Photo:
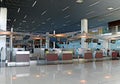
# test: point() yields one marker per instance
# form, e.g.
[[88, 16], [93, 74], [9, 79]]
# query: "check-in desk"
[[115, 55], [99, 54], [22, 58], [88, 55], [67, 56], [51, 58]]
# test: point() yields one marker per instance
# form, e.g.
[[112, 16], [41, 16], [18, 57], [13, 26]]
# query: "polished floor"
[[104, 72]]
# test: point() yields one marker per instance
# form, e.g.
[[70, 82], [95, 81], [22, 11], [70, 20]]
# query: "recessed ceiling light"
[[44, 12], [94, 4], [64, 9], [14, 20], [67, 16], [79, 1], [68, 21], [25, 16], [18, 10], [110, 8], [91, 12], [34, 3], [48, 19]]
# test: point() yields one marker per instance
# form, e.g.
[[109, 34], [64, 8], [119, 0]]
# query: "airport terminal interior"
[[59, 41]]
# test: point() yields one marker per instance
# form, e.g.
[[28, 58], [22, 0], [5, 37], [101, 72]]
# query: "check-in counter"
[[67, 57], [22, 58], [114, 54], [99, 54], [51, 56], [88, 55]]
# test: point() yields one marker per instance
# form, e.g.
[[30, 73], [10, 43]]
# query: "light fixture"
[[110, 8], [43, 12], [5, 33], [34, 3], [64, 9], [84, 35], [79, 1], [95, 3], [18, 10], [37, 38], [60, 35]]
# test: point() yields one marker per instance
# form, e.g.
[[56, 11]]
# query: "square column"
[[84, 28], [47, 40], [3, 23]]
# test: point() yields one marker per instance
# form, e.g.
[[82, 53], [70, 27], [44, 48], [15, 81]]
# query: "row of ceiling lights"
[[78, 1]]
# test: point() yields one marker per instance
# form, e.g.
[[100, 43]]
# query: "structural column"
[[84, 28], [11, 46], [3, 23], [47, 40], [54, 41], [106, 46]]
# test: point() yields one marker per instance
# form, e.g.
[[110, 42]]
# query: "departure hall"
[[59, 41]]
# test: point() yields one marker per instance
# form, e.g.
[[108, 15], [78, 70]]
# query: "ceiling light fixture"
[[110, 8], [44, 12], [25, 16], [67, 16], [18, 10], [34, 4], [14, 20], [94, 4], [64, 9], [48, 19], [79, 1], [91, 12], [8, 19], [68, 21]]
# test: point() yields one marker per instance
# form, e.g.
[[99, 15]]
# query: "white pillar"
[[47, 40], [11, 46], [106, 46], [54, 41], [84, 28], [116, 29], [3, 23]]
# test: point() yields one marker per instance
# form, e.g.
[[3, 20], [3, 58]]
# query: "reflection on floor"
[[104, 72]]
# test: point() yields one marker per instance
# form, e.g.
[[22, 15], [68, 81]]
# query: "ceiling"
[[41, 16]]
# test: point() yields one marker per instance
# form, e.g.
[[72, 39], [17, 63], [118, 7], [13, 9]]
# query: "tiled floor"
[[104, 72]]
